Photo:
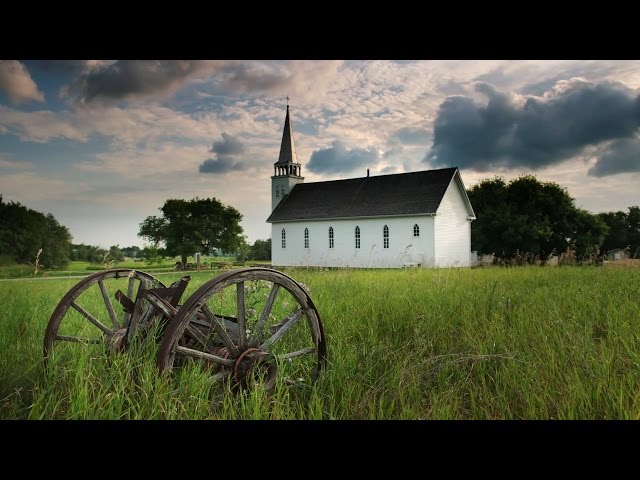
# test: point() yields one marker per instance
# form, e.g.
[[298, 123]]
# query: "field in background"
[[625, 263], [85, 268], [495, 343]]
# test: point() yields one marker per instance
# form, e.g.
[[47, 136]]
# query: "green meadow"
[[492, 343]]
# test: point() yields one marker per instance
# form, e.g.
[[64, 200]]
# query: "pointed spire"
[[287, 147]]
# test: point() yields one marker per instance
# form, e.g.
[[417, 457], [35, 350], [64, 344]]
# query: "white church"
[[420, 219]]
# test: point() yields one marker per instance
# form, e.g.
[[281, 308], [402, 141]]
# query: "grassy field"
[[77, 268], [493, 343]]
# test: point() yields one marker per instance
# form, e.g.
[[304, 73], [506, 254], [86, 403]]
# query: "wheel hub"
[[254, 365], [117, 341]]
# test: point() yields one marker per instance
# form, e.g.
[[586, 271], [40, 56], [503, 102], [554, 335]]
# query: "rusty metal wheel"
[[248, 326], [88, 315]]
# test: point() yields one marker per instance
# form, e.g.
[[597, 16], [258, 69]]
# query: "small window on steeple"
[[277, 192]]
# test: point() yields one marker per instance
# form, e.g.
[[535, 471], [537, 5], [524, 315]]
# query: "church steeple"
[[286, 171], [287, 163]]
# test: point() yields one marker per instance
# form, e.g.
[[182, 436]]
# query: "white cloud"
[[17, 83]]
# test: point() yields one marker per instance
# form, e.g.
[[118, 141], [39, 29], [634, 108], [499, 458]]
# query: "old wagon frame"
[[244, 326]]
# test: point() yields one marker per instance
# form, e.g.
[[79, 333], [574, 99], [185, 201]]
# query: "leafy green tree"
[[529, 216], [190, 226], [152, 254], [115, 253], [23, 232], [261, 250], [242, 249], [131, 252], [624, 230]]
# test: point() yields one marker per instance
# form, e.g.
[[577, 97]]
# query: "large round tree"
[[190, 226], [532, 217]]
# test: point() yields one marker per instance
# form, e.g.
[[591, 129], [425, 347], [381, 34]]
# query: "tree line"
[[525, 219], [529, 220]]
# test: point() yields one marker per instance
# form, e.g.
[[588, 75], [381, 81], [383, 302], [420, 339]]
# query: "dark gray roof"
[[400, 194], [287, 148]]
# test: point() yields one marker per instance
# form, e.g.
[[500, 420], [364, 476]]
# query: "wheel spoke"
[[299, 353], [265, 313], [288, 322], [218, 377], [107, 302], [220, 330], [67, 338], [189, 352], [198, 335], [127, 316], [91, 318], [242, 333]]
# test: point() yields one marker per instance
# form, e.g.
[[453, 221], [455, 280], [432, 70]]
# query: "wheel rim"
[[283, 334], [89, 316]]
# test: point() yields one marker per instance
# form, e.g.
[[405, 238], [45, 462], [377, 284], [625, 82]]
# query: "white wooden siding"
[[452, 229], [404, 249]]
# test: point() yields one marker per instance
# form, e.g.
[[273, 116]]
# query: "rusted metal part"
[[250, 364]]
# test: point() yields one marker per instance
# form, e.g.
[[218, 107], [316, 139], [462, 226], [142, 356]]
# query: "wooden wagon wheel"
[[88, 314], [246, 326]]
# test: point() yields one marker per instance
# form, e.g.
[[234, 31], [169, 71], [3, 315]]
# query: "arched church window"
[[385, 236], [306, 238], [416, 230], [357, 237], [284, 239], [330, 237]]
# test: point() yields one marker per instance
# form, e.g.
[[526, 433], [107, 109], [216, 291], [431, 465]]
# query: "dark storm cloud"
[[228, 146], [535, 133], [339, 159], [622, 156], [226, 156], [220, 164], [133, 78], [412, 136]]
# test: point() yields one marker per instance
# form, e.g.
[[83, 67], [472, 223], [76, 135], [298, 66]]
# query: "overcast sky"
[[102, 144]]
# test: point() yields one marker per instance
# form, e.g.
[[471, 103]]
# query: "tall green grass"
[[496, 343]]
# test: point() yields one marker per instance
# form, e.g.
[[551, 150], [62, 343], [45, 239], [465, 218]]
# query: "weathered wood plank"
[[91, 318], [68, 338], [190, 352], [127, 315], [299, 353], [109, 305], [242, 332], [264, 315], [289, 322], [221, 331]]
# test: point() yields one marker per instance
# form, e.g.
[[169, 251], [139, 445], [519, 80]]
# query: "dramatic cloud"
[[226, 156], [228, 146], [513, 131], [221, 164], [622, 156], [412, 136], [129, 79], [340, 159], [16, 82]]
